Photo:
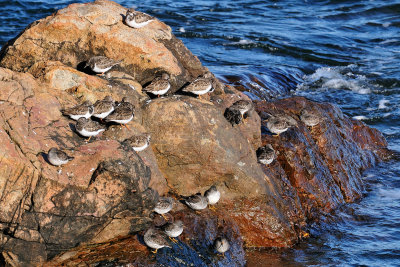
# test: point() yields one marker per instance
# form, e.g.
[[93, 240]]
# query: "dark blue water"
[[345, 52]]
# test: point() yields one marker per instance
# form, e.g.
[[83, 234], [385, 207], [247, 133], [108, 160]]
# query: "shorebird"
[[278, 124], [213, 195], [84, 110], [155, 239], [159, 86], [173, 230], [221, 244], [242, 106], [103, 108], [266, 154], [196, 202], [58, 157], [201, 85], [88, 128], [309, 118], [164, 205], [139, 142], [137, 19], [101, 64], [122, 114]]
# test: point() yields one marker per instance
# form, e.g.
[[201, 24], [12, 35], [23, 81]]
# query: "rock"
[[76, 33]]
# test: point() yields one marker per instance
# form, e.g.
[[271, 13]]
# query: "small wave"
[[336, 78]]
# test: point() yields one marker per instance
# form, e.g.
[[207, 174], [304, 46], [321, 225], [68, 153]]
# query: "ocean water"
[[344, 52]]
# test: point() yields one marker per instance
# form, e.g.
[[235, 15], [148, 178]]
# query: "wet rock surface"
[[95, 209]]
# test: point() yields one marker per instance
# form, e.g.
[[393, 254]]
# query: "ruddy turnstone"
[[309, 117], [122, 114], [125, 103], [265, 154], [155, 239], [102, 108], [84, 110], [101, 64], [201, 85], [212, 195], [196, 202], [159, 86], [139, 142], [137, 19], [88, 128], [242, 106], [221, 244], [58, 157], [173, 230], [164, 205]]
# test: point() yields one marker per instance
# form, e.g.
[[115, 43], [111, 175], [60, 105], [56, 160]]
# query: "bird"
[[84, 110], [173, 230], [213, 195], [101, 64], [88, 128], [159, 86], [221, 245], [122, 114], [58, 157], [201, 85], [139, 142], [137, 19], [243, 106], [309, 118], [196, 202], [125, 103], [164, 205], [265, 154], [155, 239], [102, 108], [278, 124]]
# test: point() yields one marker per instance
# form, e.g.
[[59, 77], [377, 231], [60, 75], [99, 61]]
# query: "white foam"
[[181, 29], [360, 117], [382, 103], [336, 78]]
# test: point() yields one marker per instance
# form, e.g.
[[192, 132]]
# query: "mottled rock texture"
[[96, 208]]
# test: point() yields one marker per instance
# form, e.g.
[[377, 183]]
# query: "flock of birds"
[[107, 111]]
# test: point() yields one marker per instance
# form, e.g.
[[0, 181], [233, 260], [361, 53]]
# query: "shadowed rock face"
[[96, 208]]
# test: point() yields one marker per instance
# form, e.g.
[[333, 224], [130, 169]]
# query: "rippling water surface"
[[345, 52]]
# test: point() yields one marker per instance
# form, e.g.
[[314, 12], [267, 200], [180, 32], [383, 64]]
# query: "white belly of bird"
[[198, 206], [153, 244], [57, 161], [140, 148], [266, 161], [161, 92], [202, 92], [86, 133], [174, 233], [162, 211], [104, 114], [214, 198], [100, 70], [134, 24], [87, 115], [123, 121]]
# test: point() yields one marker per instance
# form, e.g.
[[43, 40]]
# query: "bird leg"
[[165, 218], [213, 208], [126, 126], [173, 239], [154, 251], [87, 141]]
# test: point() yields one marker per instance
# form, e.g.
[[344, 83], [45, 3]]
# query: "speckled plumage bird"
[[84, 110], [122, 114], [103, 108], [196, 202], [201, 85], [137, 19], [139, 142], [221, 245], [159, 86], [213, 195], [101, 64], [58, 157], [243, 106], [88, 128], [309, 117], [164, 205], [265, 154], [155, 239], [278, 124], [173, 230]]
